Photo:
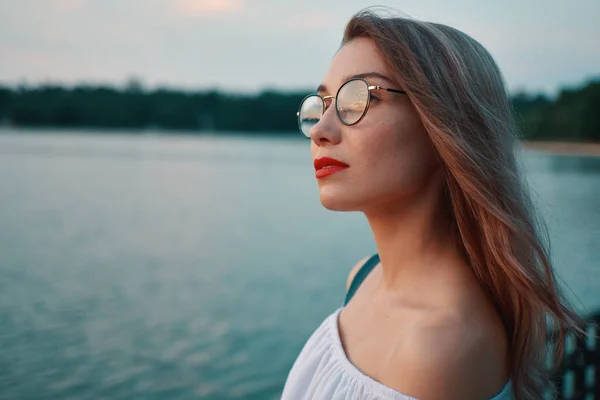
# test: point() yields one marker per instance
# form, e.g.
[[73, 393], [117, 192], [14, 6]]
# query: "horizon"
[[140, 86]]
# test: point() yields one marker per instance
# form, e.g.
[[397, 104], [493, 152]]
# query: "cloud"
[[313, 21], [69, 5], [200, 8]]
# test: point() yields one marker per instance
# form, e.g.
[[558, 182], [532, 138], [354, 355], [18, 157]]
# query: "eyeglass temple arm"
[[396, 91], [387, 89]]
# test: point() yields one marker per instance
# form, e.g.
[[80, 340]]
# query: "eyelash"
[[373, 97]]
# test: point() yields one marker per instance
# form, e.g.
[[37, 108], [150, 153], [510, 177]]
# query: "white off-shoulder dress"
[[323, 371]]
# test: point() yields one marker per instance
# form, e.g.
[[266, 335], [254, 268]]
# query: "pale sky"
[[249, 45]]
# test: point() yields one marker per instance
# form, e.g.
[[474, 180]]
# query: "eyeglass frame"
[[337, 111]]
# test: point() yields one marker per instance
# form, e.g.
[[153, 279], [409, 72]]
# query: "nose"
[[328, 129]]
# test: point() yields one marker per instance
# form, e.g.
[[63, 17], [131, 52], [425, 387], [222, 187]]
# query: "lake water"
[[173, 266]]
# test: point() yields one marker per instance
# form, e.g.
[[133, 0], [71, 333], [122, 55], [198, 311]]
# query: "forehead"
[[356, 57]]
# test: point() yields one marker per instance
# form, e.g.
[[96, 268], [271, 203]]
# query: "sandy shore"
[[566, 148]]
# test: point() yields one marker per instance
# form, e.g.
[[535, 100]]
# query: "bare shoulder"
[[451, 358], [354, 270]]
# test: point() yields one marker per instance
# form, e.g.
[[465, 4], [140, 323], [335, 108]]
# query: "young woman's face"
[[389, 153]]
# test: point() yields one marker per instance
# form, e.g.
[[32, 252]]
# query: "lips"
[[324, 162], [325, 166]]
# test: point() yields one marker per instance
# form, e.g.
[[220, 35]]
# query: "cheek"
[[398, 157]]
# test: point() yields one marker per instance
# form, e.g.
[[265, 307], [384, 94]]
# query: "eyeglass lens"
[[351, 103]]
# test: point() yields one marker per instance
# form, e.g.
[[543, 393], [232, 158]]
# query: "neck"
[[413, 238]]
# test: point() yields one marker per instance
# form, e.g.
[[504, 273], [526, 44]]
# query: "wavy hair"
[[460, 95]]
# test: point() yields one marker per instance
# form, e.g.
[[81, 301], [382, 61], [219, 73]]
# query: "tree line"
[[573, 115]]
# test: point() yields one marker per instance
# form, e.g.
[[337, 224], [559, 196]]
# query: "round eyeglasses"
[[351, 104]]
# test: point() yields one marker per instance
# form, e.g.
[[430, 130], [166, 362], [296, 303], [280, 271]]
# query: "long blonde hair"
[[459, 93]]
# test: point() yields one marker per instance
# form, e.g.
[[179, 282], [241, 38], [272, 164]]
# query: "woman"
[[412, 126]]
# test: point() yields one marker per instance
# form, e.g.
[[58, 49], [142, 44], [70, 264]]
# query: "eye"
[[373, 97]]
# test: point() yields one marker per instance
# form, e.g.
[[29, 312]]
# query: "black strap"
[[361, 275]]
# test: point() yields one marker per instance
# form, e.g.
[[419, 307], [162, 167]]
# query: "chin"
[[338, 202]]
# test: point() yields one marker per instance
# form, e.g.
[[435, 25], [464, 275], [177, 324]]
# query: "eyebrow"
[[323, 88]]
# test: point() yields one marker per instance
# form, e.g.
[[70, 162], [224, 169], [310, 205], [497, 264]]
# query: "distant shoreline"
[[564, 148], [588, 149]]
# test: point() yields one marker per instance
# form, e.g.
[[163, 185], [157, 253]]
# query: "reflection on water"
[[195, 267]]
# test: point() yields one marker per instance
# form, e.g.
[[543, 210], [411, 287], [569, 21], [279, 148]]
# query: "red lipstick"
[[326, 166]]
